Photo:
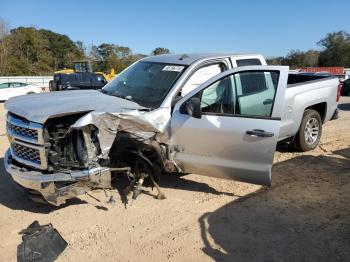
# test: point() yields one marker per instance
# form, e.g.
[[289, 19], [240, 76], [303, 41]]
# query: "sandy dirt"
[[304, 216]]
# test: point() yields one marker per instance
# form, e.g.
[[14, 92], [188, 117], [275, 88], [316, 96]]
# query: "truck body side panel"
[[303, 95]]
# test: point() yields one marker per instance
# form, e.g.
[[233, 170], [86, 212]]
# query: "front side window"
[[200, 76], [249, 93], [146, 83], [217, 98]]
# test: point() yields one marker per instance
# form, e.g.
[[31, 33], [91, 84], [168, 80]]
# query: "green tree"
[[63, 50], [160, 51], [296, 59], [28, 52], [336, 49], [33, 52], [110, 56]]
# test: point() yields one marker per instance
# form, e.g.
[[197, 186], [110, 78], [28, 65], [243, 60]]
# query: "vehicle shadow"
[[344, 107], [177, 181], [173, 181], [304, 216], [286, 147], [13, 197]]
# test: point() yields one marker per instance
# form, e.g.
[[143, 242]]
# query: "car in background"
[[11, 89], [345, 90], [76, 81]]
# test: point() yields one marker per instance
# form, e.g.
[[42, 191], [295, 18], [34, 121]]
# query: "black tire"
[[306, 138]]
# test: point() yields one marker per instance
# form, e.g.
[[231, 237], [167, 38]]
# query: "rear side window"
[[68, 78], [83, 78], [248, 62], [255, 92], [18, 84], [4, 85]]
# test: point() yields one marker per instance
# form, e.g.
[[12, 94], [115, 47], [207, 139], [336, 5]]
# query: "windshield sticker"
[[173, 68]]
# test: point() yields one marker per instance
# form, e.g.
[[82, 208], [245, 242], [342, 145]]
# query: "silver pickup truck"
[[211, 114]]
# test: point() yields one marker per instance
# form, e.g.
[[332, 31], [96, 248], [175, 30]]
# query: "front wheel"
[[310, 131]]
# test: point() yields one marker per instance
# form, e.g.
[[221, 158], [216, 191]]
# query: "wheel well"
[[321, 108]]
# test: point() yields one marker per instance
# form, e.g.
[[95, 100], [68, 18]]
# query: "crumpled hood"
[[40, 107]]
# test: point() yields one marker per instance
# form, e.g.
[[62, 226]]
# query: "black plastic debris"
[[40, 243], [111, 201]]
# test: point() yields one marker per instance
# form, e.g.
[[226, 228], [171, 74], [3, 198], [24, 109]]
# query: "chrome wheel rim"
[[312, 131]]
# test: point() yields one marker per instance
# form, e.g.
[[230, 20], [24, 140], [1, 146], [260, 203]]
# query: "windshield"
[[146, 83]]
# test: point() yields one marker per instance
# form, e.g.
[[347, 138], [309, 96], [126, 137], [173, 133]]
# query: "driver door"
[[236, 134]]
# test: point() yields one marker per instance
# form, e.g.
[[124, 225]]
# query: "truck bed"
[[307, 91], [297, 79]]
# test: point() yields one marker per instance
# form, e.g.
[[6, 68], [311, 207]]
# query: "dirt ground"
[[304, 216]]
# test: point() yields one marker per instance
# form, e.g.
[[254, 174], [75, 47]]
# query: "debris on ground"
[[111, 201], [41, 243]]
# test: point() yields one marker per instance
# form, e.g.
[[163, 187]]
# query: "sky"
[[269, 27]]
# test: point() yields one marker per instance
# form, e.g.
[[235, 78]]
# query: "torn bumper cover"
[[79, 181], [91, 137]]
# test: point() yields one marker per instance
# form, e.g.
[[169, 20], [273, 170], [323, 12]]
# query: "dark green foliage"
[[108, 56], [296, 59], [29, 51], [335, 52], [160, 51], [63, 49], [336, 49]]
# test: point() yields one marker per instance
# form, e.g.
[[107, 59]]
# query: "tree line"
[[335, 51], [31, 51]]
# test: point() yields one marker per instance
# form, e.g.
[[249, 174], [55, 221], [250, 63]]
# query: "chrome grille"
[[27, 142], [23, 131], [26, 153]]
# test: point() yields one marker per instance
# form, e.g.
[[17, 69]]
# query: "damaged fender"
[[142, 124]]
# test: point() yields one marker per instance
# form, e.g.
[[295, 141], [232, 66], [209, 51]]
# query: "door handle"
[[267, 102], [259, 133]]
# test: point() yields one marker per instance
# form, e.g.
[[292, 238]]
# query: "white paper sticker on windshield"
[[173, 68]]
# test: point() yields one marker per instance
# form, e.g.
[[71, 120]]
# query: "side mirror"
[[192, 107]]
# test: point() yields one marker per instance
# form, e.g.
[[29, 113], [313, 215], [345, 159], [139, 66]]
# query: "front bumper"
[[79, 181]]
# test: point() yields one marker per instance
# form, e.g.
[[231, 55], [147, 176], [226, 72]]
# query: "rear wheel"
[[310, 131]]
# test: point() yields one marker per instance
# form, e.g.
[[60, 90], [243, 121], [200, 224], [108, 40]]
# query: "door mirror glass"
[[192, 107]]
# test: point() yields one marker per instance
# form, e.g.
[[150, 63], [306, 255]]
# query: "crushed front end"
[[72, 154], [47, 159]]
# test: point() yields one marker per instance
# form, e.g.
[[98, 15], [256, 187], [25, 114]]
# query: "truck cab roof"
[[188, 59]]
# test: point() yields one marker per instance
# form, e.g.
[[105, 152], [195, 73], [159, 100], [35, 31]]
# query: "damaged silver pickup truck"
[[209, 114]]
